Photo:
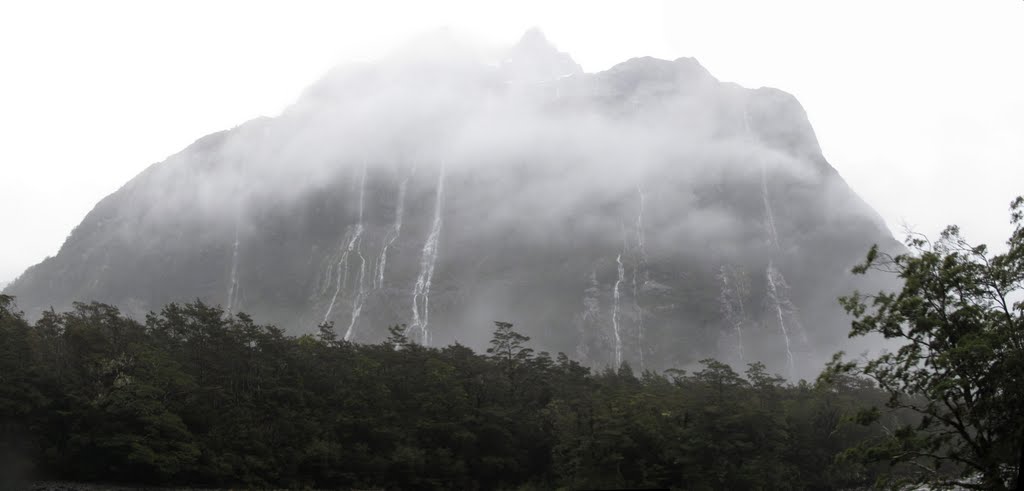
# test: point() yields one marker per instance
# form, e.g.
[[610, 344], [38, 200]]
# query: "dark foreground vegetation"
[[194, 397]]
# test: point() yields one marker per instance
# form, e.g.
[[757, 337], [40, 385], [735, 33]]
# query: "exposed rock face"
[[647, 214]]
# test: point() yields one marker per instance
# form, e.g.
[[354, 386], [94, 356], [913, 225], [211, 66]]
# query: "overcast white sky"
[[918, 103]]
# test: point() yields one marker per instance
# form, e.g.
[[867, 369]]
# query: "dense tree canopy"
[[193, 396]]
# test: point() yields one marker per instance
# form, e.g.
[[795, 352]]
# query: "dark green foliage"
[[959, 366], [198, 398]]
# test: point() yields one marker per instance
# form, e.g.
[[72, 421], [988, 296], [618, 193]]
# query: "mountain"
[[647, 214]]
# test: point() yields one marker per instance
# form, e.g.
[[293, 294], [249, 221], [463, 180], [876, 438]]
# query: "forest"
[[193, 396]]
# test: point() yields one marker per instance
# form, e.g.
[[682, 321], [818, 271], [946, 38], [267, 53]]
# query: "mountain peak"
[[537, 200], [534, 38], [535, 59]]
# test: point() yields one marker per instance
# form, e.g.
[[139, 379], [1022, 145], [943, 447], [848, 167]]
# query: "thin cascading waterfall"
[[392, 235], [775, 294], [615, 312], [342, 267], [233, 283], [773, 234], [332, 263], [783, 307], [641, 262], [777, 287], [357, 303], [353, 242], [428, 259]]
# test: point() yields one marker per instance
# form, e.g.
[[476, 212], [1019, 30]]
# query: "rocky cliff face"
[[647, 214]]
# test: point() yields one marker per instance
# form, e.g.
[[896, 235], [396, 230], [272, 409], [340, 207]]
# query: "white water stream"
[[428, 260]]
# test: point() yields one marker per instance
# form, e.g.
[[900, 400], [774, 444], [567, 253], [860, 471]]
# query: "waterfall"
[[775, 284], [353, 242], [421, 290], [392, 234], [357, 304], [778, 296], [615, 312], [641, 262], [777, 287], [233, 283]]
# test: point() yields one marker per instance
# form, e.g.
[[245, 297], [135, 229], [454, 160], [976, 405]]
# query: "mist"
[[477, 259], [483, 119], [596, 211]]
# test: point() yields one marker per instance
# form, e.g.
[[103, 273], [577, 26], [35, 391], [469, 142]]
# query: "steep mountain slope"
[[647, 214]]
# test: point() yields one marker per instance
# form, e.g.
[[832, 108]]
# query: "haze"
[[925, 127]]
